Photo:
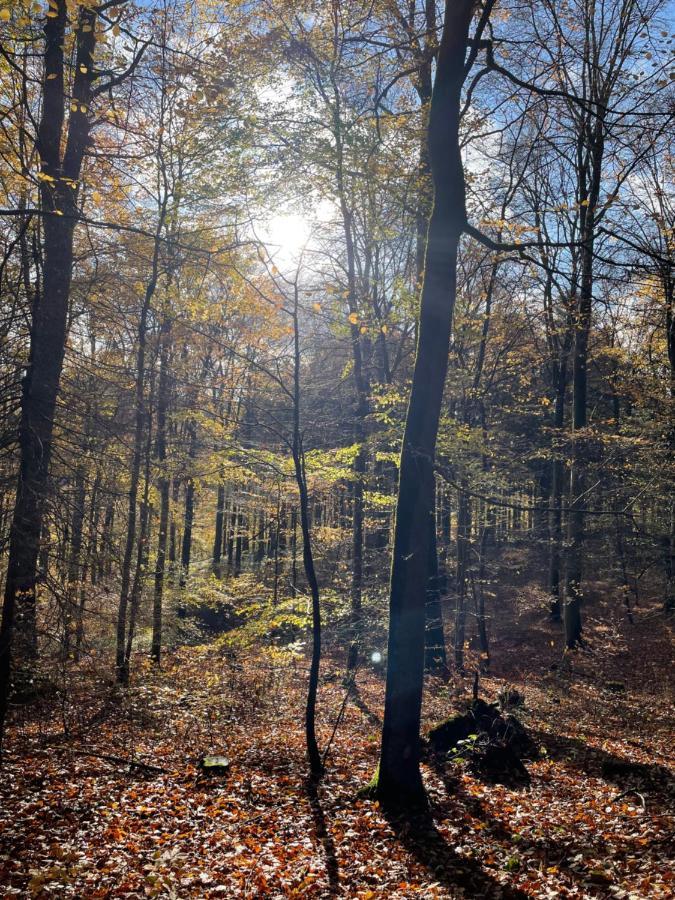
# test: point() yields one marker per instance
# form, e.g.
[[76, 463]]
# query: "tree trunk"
[[121, 666], [313, 755], [218, 537], [163, 394], [435, 658], [89, 563], [143, 540], [75, 562], [58, 194], [557, 479], [189, 515], [463, 547], [399, 779]]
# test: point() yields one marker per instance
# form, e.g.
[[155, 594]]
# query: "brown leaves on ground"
[[79, 825]]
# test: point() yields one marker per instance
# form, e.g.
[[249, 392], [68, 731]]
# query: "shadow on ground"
[[422, 839]]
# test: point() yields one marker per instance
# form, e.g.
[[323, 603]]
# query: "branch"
[[114, 226], [120, 760], [118, 79], [501, 247]]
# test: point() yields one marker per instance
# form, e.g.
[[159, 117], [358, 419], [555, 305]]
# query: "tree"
[[398, 778], [62, 148]]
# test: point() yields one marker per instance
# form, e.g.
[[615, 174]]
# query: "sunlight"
[[286, 235]]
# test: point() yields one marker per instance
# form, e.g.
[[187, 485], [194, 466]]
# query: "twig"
[[348, 693], [120, 760]]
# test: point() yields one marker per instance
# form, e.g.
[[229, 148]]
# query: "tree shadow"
[[324, 836], [619, 770], [553, 847], [457, 797], [422, 839], [361, 705]]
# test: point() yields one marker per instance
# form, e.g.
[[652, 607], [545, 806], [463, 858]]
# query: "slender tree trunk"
[[463, 548], [143, 541], [121, 666], [189, 514], [89, 563], [669, 543], [238, 540], [294, 551], [590, 180], [313, 755], [557, 479], [487, 538], [399, 779], [173, 539], [435, 658], [218, 537], [163, 394], [105, 552], [75, 561], [277, 545]]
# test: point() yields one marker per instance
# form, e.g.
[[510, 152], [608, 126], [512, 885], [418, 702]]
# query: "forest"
[[337, 449]]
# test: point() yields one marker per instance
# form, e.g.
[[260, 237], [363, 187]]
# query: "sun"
[[286, 236]]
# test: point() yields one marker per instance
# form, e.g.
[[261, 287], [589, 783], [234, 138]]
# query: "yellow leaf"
[[354, 318], [73, 107], [52, 76], [5, 15], [316, 306], [384, 329], [96, 197]]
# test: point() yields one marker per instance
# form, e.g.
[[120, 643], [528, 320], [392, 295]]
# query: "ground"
[[77, 822]]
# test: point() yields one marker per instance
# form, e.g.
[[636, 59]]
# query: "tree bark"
[[435, 657], [399, 779], [163, 394], [59, 182], [313, 755]]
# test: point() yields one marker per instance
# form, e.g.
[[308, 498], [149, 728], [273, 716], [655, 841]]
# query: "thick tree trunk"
[[399, 779], [58, 195]]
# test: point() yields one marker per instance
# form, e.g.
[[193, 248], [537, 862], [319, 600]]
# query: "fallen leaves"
[[77, 825]]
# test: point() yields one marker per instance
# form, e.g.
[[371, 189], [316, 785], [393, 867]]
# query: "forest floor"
[[76, 821]]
